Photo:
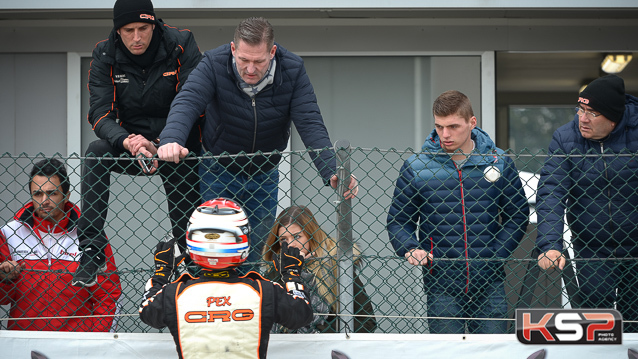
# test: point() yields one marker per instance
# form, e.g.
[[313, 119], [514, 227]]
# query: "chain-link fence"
[[384, 291]]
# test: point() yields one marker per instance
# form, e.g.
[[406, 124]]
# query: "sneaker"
[[92, 263]]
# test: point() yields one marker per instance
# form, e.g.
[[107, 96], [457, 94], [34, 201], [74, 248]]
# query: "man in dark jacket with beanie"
[[252, 90], [134, 76], [591, 176]]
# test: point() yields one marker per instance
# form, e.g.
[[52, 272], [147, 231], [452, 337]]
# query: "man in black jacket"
[[134, 76]]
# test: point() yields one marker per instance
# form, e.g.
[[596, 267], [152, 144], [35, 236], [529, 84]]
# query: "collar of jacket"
[[483, 145], [27, 216]]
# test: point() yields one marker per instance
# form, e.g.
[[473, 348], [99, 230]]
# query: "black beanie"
[[128, 11], [607, 96]]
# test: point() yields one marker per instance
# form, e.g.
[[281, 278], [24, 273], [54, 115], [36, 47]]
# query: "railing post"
[[344, 241]]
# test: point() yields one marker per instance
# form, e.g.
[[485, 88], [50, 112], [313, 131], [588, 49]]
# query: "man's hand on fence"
[[418, 257], [172, 152], [136, 142], [10, 270], [142, 148], [148, 164], [353, 187], [551, 259]]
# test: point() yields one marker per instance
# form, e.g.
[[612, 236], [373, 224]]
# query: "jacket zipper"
[[254, 133], [602, 156], [46, 241], [431, 252], [467, 263]]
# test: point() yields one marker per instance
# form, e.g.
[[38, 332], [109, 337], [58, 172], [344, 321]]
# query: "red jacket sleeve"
[[105, 295]]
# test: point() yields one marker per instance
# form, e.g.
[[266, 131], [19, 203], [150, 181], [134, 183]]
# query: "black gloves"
[[166, 260], [289, 263]]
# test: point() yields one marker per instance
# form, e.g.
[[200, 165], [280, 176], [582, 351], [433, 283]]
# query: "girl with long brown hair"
[[298, 227]]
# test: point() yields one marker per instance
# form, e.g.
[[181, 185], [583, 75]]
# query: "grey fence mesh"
[[394, 291]]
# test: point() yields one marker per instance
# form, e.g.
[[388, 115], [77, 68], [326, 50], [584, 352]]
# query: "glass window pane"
[[531, 129]]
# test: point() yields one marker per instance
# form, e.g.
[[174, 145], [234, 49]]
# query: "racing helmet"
[[217, 234]]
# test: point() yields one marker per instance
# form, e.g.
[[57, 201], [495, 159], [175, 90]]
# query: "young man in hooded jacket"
[[460, 201]]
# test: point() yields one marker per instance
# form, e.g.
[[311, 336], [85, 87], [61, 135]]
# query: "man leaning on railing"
[[251, 90], [592, 173]]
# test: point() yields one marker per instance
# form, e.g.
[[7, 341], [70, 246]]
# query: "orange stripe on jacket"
[[112, 102], [261, 314], [173, 27], [179, 68]]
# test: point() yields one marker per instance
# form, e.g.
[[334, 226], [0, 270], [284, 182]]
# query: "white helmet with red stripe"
[[217, 235]]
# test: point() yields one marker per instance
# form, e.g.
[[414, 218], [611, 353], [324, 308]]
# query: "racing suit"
[[222, 314]]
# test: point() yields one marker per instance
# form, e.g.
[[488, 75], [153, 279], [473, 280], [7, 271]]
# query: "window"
[[530, 132]]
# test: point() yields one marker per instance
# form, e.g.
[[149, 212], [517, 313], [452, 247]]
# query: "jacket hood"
[[483, 145], [630, 118]]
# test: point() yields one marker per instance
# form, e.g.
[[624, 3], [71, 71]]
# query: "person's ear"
[[473, 121]]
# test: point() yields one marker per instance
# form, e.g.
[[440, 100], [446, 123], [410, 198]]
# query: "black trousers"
[[181, 183], [604, 283]]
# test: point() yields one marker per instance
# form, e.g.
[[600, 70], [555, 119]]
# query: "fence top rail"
[[408, 151]]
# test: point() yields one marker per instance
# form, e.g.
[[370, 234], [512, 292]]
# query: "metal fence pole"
[[344, 240]]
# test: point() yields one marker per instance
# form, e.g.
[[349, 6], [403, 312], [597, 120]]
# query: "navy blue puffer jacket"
[[468, 214], [600, 192], [236, 122]]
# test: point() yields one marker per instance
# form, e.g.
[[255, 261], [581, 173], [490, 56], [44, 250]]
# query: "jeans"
[[180, 183], [257, 194], [489, 302]]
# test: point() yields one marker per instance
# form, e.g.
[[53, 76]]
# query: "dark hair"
[[50, 167], [255, 31], [451, 103]]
